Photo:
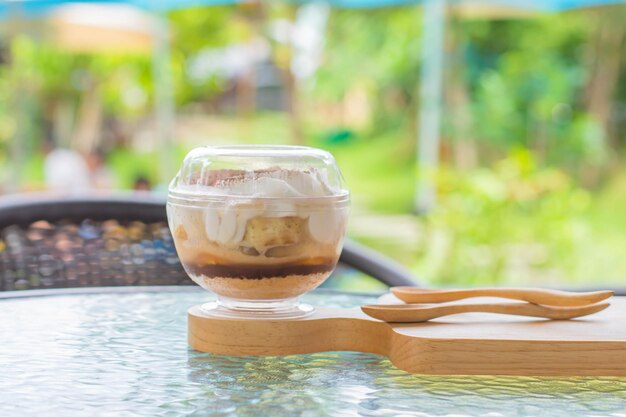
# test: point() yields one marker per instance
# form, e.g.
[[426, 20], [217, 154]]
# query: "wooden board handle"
[[488, 346]]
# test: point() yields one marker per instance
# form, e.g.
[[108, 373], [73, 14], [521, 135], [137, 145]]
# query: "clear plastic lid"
[[216, 173]]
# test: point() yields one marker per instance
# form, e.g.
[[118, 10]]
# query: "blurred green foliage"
[[513, 222], [505, 223], [534, 130], [530, 93]]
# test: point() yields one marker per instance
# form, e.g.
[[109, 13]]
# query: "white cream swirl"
[[226, 222]]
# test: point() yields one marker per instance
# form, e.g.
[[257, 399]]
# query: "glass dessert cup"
[[259, 226]]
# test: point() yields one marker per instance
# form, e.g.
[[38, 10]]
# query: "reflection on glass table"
[[125, 352]]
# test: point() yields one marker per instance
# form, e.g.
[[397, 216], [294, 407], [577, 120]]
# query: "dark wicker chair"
[[49, 242]]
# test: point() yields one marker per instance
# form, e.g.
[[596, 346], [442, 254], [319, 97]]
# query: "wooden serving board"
[[464, 344]]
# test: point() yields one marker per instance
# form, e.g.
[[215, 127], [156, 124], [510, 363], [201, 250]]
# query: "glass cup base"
[[257, 310]]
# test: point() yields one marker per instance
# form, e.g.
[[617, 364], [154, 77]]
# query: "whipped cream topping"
[[269, 183], [225, 222]]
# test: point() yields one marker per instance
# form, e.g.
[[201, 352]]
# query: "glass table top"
[[126, 354]]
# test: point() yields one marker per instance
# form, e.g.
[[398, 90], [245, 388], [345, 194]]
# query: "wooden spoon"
[[532, 295], [416, 313]]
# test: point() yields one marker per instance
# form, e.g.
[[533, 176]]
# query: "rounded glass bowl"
[[258, 225]]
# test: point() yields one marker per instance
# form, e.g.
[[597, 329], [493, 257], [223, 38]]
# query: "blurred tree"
[[527, 79], [377, 51], [604, 56], [553, 84], [550, 83], [74, 97], [283, 54], [199, 30], [457, 97]]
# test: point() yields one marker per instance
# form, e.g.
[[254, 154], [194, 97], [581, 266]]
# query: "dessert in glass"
[[258, 225]]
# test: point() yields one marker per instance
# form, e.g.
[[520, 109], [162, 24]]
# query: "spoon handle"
[[531, 295], [416, 314]]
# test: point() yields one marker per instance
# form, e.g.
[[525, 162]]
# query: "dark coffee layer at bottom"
[[256, 271]]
